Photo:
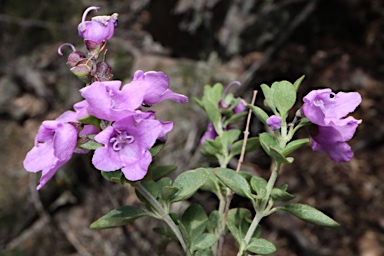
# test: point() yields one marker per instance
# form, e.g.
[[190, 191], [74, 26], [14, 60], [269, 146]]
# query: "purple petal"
[[107, 102], [64, 141], [137, 170], [323, 106], [34, 162], [154, 85]]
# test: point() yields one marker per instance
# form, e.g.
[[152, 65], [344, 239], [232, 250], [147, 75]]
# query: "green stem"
[[163, 214], [262, 210]]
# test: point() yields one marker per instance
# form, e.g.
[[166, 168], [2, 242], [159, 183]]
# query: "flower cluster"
[[327, 110], [121, 129]]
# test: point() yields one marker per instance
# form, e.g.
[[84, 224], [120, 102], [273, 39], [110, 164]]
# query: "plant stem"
[[162, 214], [262, 210]]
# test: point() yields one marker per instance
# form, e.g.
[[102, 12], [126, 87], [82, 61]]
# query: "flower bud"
[[99, 29], [75, 57], [103, 71], [83, 71], [274, 122]]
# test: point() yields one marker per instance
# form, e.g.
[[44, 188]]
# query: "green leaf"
[[165, 231], [212, 147], [212, 183], [230, 136], [203, 241], [252, 145], [167, 192], [194, 220], [159, 172], [205, 252], [199, 102], [238, 217], [261, 246], [213, 221], [259, 113], [115, 176], [268, 95], [159, 145], [267, 140], [234, 118], [91, 120], [90, 145], [188, 183], [213, 113], [233, 180], [280, 195], [279, 157], [284, 96], [119, 217], [309, 214], [297, 83], [259, 185], [294, 145]]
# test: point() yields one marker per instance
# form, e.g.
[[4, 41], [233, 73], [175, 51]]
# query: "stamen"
[[120, 140], [88, 10], [66, 44]]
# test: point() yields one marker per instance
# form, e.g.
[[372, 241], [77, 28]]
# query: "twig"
[[230, 193], [246, 133]]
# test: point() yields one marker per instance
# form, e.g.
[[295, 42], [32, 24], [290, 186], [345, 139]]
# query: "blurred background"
[[337, 44]]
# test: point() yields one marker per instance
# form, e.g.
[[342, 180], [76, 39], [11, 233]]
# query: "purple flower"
[[323, 106], [332, 139], [106, 100], [274, 122], [327, 110], [154, 86], [55, 143], [99, 29], [126, 146], [210, 134]]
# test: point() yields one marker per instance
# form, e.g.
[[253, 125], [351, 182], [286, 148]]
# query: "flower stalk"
[[164, 215]]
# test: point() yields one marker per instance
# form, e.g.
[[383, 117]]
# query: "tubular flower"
[[55, 143], [155, 87], [99, 29], [126, 146], [327, 110]]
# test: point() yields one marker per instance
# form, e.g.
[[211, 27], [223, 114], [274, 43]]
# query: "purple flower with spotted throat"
[[99, 29], [126, 146], [327, 110]]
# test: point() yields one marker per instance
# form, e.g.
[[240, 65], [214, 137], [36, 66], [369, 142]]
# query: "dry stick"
[[246, 133], [230, 193]]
